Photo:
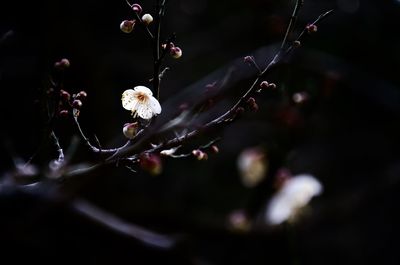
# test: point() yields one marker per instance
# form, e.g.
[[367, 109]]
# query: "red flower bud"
[[64, 113], [64, 95], [81, 95], [77, 104], [151, 163], [137, 8], [62, 64], [311, 28]]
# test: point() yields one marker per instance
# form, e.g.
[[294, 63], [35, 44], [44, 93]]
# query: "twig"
[[292, 22], [60, 158]]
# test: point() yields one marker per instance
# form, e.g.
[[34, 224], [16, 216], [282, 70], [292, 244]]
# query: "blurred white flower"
[[253, 166], [141, 102], [295, 193]]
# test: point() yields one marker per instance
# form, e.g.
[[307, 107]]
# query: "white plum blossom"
[[295, 193], [140, 102]]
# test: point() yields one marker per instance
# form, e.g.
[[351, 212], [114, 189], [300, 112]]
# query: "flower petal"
[[143, 89], [144, 111], [128, 99], [154, 105]]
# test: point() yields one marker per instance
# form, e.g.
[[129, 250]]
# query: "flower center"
[[141, 97]]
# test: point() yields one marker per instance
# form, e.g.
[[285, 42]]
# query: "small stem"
[[58, 146], [156, 51], [292, 22]]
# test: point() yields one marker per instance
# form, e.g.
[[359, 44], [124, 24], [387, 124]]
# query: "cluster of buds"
[[127, 26], [266, 85], [74, 101], [174, 51]]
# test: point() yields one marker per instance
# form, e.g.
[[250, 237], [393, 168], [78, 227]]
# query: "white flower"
[[141, 102], [294, 195]]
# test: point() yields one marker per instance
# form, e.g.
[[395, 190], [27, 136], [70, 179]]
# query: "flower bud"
[[176, 52], [248, 59], [281, 176], [151, 163], [264, 84], [272, 86], [311, 28], [252, 104], [147, 19], [81, 95], [300, 97], [130, 130], [214, 149], [296, 43], [169, 45], [200, 155], [126, 26], [137, 8], [239, 110], [239, 221], [64, 95], [77, 104], [62, 64], [64, 113]]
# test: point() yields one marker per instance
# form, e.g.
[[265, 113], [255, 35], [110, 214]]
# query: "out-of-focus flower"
[[239, 221], [151, 163], [140, 102], [253, 166], [295, 193], [300, 97]]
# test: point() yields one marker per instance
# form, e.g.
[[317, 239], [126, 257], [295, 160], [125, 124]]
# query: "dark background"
[[346, 135]]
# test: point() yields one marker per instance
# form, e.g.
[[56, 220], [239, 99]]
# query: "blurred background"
[[345, 133]]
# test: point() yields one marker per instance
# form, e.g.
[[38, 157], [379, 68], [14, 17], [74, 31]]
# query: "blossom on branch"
[[141, 102]]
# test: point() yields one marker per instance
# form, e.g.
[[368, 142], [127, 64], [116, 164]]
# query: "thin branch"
[[60, 158], [156, 51], [303, 32], [292, 22]]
